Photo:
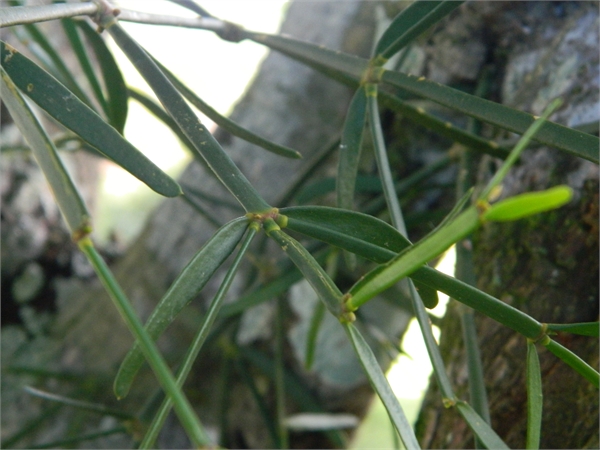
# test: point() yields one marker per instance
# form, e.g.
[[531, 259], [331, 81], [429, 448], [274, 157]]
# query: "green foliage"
[[359, 234]]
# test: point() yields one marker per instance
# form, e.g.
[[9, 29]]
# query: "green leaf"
[[584, 329], [484, 432], [578, 364], [67, 109], [569, 140], [199, 339], [350, 147], [114, 84], [339, 65], [356, 232], [227, 124], [66, 194], [325, 288], [527, 204], [382, 387], [204, 143], [86, 66], [183, 290], [410, 23], [412, 258], [534, 398]]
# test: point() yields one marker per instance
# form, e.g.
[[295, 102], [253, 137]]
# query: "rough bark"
[[547, 265]]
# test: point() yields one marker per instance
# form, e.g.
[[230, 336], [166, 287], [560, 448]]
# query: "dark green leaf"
[[585, 329], [410, 23], [67, 109], [382, 387], [535, 398], [183, 290], [204, 143], [69, 201], [225, 123], [571, 141], [350, 146], [114, 84]]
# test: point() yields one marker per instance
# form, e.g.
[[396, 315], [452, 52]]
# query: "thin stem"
[[202, 23], [199, 340], [18, 15], [188, 417]]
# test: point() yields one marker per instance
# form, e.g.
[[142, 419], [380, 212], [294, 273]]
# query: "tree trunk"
[[547, 265]]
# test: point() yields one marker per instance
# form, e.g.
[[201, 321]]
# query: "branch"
[[16, 15]]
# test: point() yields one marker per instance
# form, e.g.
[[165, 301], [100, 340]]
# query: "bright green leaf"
[[534, 398], [527, 204]]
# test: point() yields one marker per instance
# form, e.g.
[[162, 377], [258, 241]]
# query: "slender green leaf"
[[527, 204], [184, 410], [313, 333], [325, 288], [330, 62], [383, 164], [350, 147], [585, 329], [412, 258], [379, 242], [410, 23], [484, 432], [569, 140], [580, 366], [356, 232], [534, 398], [67, 196], [518, 149], [183, 290], [86, 66], [57, 63], [382, 387], [225, 123], [199, 339], [114, 83], [67, 109], [205, 144], [349, 70]]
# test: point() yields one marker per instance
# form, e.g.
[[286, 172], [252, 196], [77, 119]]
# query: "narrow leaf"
[[569, 140], [227, 124], [584, 329], [67, 109], [86, 66], [183, 290], [578, 364], [412, 258], [382, 387], [350, 147], [199, 339], [527, 204], [484, 432], [114, 83], [66, 194], [534, 398], [410, 23], [325, 288], [204, 143]]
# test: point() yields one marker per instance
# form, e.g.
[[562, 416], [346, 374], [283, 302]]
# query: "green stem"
[[184, 410], [199, 339], [580, 366]]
